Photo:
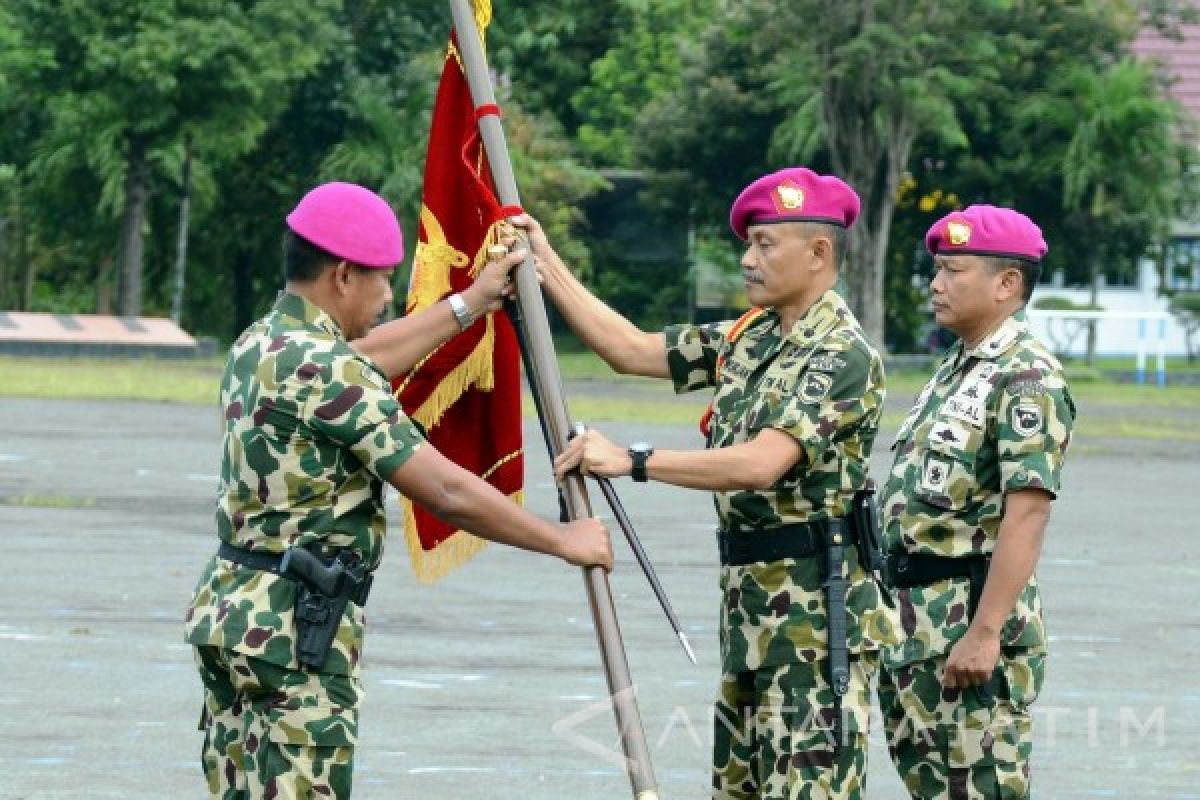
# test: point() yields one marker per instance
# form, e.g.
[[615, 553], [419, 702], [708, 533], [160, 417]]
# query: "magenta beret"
[[795, 194], [350, 222], [986, 231]]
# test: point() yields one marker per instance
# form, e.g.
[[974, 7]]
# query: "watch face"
[[641, 447]]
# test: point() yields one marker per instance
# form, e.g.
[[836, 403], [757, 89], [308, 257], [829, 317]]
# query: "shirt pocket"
[[946, 461], [733, 413]]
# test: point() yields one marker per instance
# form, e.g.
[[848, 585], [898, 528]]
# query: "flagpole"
[[553, 402]]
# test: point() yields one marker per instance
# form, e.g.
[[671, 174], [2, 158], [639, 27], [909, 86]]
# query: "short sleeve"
[[825, 404], [355, 409], [692, 352], [1033, 429]]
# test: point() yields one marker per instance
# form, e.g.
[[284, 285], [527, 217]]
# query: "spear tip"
[[687, 648]]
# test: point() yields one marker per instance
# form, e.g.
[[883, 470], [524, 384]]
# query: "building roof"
[[92, 334], [1181, 61]]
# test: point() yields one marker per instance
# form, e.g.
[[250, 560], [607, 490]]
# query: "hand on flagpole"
[[543, 254], [586, 543], [593, 455], [494, 283]]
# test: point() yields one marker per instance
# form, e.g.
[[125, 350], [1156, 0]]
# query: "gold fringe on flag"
[[431, 266], [433, 565]]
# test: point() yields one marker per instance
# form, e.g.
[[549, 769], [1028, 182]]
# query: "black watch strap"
[[639, 456]]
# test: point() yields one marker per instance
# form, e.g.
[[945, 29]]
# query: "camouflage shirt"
[[310, 432], [822, 384], [991, 420]]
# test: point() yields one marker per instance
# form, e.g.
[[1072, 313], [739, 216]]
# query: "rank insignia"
[[936, 475], [958, 233]]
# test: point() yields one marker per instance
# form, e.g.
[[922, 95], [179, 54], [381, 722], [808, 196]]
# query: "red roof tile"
[[1179, 59]]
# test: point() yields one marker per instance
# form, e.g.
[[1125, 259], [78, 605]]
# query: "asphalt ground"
[[488, 684]]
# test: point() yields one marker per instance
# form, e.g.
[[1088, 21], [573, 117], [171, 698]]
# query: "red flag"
[[467, 393]]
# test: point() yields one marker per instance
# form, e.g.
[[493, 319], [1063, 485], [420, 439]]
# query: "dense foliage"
[[669, 105]]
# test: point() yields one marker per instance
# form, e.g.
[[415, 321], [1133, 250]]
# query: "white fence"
[[1063, 331]]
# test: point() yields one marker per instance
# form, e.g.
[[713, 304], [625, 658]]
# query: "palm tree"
[[1116, 141]]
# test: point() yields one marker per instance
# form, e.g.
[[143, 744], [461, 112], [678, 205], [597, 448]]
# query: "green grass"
[[1146, 428], [609, 409], [193, 382], [1129, 364], [1142, 397], [1099, 391], [47, 501], [576, 366]]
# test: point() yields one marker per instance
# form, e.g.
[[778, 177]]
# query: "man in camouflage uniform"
[[796, 409], [977, 465], [311, 433]]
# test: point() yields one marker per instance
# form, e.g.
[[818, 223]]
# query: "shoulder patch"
[[826, 362], [1026, 419], [1027, 388], [814, 386]]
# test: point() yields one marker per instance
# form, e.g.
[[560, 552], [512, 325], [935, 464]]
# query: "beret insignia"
[[958, 233], [791, 197]]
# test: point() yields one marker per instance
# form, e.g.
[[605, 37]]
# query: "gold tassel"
[[476, 369], [430, 283], [433, 565]]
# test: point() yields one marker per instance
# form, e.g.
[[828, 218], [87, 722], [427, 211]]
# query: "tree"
[[644, 63], [545, 49], [140, 77], [863, 81], [1186, 308], [1115, 140]]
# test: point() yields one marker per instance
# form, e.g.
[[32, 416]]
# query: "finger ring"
[[496, 252]]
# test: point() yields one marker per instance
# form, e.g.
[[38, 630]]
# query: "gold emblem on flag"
[[790, 197], [958, 233]]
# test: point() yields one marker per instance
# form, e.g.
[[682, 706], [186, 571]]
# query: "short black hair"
[[1030, 272], [838, 236], [303, 261]]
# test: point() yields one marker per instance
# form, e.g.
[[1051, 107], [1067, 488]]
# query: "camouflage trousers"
[[962, 744], [774, 734], [275, 734]]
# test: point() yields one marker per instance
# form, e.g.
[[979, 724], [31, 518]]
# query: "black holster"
[[322, 592], [868, 537]]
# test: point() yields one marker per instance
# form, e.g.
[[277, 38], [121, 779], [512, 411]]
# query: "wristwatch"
[[459, 307], [639, 452]]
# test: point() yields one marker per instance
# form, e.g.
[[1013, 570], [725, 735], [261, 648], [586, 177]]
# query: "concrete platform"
[[23, 333]]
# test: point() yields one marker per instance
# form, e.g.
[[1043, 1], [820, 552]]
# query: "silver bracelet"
[[459, 307]]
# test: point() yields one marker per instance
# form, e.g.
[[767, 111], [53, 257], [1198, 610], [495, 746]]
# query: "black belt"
[[753, 545], [254, 559], [906, 570]]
